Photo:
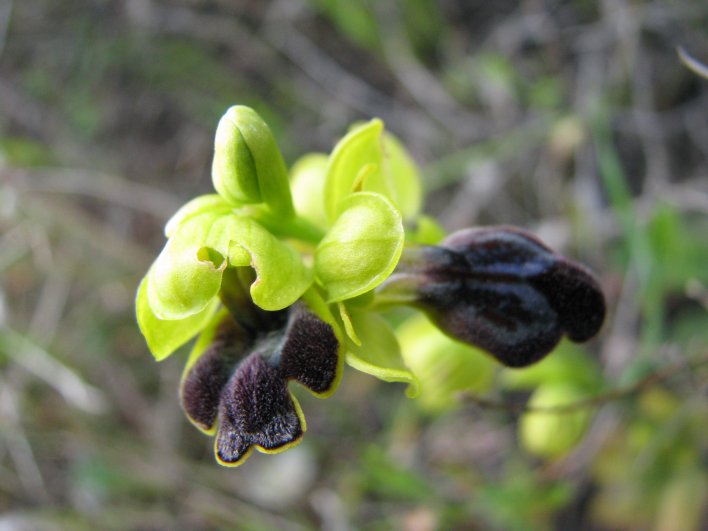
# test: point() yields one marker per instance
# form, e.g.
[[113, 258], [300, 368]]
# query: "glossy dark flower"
[[238, 387], [501, 289]]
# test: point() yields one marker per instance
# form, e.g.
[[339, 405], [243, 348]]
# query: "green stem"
[[297, 227], [650, 380], [400, 288]]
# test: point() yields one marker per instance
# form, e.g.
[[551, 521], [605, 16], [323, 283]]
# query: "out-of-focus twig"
[[28, 473], [102, 237], [693, 64], [5, 16], [50, 305], [654, 378], [341, 83], [430, 94], [42, 364], [113, 188]]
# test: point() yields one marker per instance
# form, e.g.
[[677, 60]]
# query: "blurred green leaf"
[[443, 366], [17, 151], [569, 363], [354, 18], [386, 479], [425, 27], [520, 500]]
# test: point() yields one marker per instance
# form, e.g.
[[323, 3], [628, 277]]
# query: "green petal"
[[360, 147], [186, 275], [368, 159], [164, 337], [446, 367], [248, 166], [282, 276], [362, 248], [379, 353], [403, 178], [210, 203], [307, 181]]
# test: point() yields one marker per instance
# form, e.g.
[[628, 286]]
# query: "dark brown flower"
[[501, 289], [238, 387]]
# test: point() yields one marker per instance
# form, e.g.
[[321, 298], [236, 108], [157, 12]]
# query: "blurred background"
[[574, 119]]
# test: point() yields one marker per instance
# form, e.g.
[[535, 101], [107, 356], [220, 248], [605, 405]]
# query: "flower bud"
[[500, 289], [248, 166], [553, 433]]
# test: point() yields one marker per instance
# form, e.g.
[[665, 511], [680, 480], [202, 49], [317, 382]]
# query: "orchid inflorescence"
[[285, 275]]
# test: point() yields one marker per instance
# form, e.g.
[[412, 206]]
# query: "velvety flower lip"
[[238, 388], [503, 290], [203, 383]]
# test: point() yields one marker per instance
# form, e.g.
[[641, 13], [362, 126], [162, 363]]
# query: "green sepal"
[[361, 249], [346, 321], [248, 167], [233, 169], [307, 181], [370, 159], [203, 204], [379, 353], [444, 366], [164, 337]]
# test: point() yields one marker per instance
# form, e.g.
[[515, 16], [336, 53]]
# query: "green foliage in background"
[[577, 121]]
